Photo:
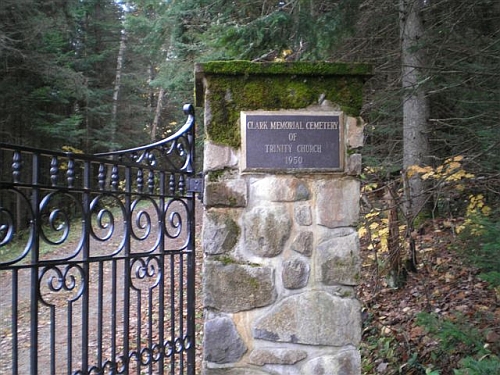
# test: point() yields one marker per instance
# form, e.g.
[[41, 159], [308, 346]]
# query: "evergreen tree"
[[38, 86], [58, 75]]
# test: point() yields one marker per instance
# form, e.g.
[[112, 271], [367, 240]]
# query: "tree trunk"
[[156, 120], [415, 102], [397, 273], [116, 90]]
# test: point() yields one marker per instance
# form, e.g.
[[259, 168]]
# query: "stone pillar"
[[281, 249]]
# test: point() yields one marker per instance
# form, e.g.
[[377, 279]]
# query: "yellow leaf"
[[362, 232], [486, 210], [383, 245], [454, 165], [427, 175], [416, 169], [71, 149], [372, 214], [370, 187]]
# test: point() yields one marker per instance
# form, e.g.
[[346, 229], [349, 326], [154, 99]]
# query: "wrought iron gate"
[[97, 259]]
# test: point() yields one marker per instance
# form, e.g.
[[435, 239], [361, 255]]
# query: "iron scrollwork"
[[177, 151]]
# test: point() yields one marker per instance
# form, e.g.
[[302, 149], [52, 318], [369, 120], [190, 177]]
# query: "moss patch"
[[216, 176], [228, 94], [286, 68]]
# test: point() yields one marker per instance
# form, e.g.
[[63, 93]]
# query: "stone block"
[[220, 232], [303, 215], [355, 127], [295, 273], [217, 157], [347, 362], [312, 318], [303, 243], [266, 229], [280, 189], [229, 193], [222, 342], [338, 202], [276, 356], [237, 287], [353, 165], [235, 371], [338, 260]]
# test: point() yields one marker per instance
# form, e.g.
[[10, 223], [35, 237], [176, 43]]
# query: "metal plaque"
[[292, 141]]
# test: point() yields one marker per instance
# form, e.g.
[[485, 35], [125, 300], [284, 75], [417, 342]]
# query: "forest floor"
[[443, 314]]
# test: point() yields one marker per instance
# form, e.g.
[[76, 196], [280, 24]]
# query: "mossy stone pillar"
[[281, 247]]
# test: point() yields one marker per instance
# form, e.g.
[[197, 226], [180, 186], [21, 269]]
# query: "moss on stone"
[[226, 260], [234, 229], [215, 176], [235, 86], [254, 283], [287, 68]]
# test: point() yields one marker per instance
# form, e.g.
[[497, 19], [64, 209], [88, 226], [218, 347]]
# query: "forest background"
[[100, 75]]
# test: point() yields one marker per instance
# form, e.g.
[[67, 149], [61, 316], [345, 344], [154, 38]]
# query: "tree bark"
[[116, 89], [156, 120], [415, 102]]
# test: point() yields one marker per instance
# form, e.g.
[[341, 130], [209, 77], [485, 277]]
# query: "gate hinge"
[[195, 184]]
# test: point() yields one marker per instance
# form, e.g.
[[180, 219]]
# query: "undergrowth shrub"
[[484, 366], [458, 339], [480, 245]]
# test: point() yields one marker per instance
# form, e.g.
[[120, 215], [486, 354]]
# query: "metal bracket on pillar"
[[196, 185]]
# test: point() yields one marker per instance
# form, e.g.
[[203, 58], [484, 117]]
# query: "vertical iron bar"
[[126, 312], [172, 313], [85, 263], [113, 313], [35, 284], [161, 293], [52, 339], [69, 336], [181, 308], [100, 318], [191, 297], [191, 271], [126, 267], [150, 327], [126, 307], [138, 324], [15, 345]]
